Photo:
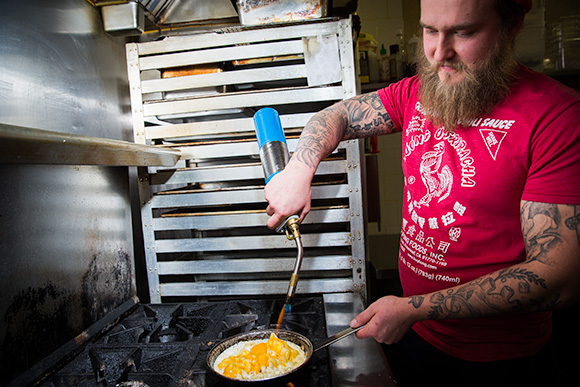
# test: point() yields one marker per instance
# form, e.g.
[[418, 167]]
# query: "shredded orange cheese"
[[263, 359]]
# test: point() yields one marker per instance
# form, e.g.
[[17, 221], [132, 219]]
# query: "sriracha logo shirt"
[[441, 174]]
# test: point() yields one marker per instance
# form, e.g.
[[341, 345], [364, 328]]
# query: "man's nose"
[[444, 49]]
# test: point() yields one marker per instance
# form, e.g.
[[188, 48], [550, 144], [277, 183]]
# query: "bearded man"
[[491, 188]]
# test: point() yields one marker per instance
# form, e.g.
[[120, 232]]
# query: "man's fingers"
[[274, 221]]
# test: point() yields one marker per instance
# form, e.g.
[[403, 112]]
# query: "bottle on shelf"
[[384, 69], [368, 59]]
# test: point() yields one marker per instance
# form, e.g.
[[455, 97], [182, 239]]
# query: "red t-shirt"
[[461, 210]]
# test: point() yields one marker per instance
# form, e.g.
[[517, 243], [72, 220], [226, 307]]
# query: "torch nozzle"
[[290, 227], [292, 230]]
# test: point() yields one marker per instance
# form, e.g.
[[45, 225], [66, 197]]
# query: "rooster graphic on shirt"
[[437, 179]]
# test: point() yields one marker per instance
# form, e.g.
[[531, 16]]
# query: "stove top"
[[167, 344]]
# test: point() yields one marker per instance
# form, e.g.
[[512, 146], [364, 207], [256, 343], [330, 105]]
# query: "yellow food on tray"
[[259, 359]]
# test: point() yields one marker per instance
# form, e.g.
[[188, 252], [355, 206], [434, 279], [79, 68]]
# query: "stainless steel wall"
[[66, 246]]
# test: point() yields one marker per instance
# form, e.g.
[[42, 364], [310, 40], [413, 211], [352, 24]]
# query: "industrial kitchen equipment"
[[204, 222], [213, 267]]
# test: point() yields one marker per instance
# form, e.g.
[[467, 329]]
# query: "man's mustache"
[[457, 66]]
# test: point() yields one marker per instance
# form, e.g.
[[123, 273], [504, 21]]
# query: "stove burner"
[[114, 365], [300, 318], [167, 344]]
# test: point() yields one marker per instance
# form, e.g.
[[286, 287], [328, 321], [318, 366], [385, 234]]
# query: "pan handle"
[[334, 338]]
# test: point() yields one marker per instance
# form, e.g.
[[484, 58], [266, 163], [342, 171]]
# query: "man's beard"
[[452, 105]]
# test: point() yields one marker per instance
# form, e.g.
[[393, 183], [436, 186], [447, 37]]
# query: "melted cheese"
[[259, 359]]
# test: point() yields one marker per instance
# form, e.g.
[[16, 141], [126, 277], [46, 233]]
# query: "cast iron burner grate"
[[164, 345]]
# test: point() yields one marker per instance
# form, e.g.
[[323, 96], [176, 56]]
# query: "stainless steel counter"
[[354, 362]]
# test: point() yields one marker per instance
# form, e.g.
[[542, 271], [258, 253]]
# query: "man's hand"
[[387, 320], [288, 193]]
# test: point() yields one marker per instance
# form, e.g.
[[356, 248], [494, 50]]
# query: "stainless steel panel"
[[250, 243], [227, 149], [254, 265], [181, 11], [223, 150], [66, 230], [217, 55], [227, 173], [243, 100], [355, 362], [209, 174], [228, 36], [33, 146], [248, 288], [224, 78], [237, 197], [224, 220], [230, 126], [123, 19]]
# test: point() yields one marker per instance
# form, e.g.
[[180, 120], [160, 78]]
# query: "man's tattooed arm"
[[357, 117], [546, 280]]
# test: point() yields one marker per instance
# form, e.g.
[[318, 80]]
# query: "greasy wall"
[[66, 245]]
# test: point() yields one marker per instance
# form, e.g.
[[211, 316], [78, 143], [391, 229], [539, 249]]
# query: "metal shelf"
[[22, 145]]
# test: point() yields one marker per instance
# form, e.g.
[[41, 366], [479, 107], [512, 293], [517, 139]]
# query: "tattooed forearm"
[[508, 291], [321, 135]]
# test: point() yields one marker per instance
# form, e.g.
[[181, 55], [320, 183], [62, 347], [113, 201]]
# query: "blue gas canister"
[[271, 141]]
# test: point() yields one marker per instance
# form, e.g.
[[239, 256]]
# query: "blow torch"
[[274, 156]]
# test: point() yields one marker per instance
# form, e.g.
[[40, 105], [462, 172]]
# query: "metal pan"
[[293, 337]]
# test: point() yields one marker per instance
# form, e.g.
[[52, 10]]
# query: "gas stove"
[[167, 344]]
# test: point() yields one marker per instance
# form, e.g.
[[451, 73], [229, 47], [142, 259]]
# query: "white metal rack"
[[204, 222]]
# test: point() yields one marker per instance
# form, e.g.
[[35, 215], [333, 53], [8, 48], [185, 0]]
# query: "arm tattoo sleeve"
[[357, 117], [541, 225], [368, 117], [521, 287]]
